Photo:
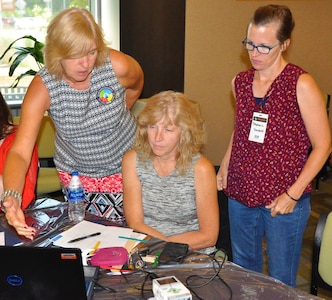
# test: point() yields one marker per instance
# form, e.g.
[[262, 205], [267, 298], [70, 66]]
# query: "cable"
[[151, 276], [217, 267], [209, 278], [98, 285], [148, 275], [227, 286], [197, 296]]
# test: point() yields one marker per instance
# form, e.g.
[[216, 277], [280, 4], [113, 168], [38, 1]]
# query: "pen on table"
[[132, 239], [95, 248], [84, 237]]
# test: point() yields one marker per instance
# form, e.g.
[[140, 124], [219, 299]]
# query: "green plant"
[[21, 53]]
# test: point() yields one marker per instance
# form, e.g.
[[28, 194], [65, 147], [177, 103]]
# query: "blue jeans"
[[283, 235]]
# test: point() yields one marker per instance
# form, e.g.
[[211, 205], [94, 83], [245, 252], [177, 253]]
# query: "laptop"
[[34, 273]]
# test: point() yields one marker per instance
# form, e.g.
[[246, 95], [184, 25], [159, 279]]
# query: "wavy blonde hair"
[[176, 109], [70, 35]]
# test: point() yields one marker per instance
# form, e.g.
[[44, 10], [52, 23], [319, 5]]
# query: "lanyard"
[[262, 101]]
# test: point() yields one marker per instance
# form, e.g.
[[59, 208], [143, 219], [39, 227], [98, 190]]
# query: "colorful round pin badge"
[[105, 95]]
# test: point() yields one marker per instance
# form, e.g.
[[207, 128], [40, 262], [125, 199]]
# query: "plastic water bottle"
[[76, 210]]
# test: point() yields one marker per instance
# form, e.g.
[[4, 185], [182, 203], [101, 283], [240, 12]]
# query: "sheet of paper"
[[2, 238], [109, 236]]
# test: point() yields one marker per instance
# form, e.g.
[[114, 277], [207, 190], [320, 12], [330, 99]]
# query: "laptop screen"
[[42, 273]]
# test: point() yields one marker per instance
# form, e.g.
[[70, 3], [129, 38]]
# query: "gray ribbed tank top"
[[169, 202]]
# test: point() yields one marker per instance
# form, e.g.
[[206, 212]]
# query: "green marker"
[[156, 261]]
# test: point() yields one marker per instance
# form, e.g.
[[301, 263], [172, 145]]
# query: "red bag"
[[108, 257]]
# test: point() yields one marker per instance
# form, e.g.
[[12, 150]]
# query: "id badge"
[[258, 127]]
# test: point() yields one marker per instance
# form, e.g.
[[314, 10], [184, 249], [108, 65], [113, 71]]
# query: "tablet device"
[[173, 253]]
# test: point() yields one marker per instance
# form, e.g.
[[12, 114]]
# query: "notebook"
[[44, 273]]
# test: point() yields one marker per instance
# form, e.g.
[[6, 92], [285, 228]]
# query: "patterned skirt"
[[103, 196]]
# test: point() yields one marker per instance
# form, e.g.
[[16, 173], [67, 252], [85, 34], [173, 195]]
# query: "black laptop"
[[34, 273]]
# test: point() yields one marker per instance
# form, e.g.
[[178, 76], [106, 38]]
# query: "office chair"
[[138, 106], [321, 274], [48, 179]]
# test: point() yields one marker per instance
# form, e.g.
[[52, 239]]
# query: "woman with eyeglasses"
[[266, 171]]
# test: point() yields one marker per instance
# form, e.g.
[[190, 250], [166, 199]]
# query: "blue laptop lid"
[[34, 273]]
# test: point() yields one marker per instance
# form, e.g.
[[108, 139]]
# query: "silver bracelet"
[[12, 193]]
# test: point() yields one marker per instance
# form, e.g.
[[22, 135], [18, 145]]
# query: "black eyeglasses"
[[262, 49]]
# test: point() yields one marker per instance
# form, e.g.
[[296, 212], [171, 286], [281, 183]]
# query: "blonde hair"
[[70, 35], [175, 108]]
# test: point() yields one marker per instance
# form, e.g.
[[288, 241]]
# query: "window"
[[31, 17]]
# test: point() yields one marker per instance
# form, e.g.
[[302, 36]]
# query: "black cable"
[[148, 275], [105, 288], [141, 289], [197, 296], [217, 267], [209, 278], [227, 286], [126, 279]]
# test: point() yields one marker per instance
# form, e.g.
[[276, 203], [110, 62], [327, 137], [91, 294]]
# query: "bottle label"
[[76, 195]]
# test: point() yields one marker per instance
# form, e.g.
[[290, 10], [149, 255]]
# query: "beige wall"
[[214, 54]]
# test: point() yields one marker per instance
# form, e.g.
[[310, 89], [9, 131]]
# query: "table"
[[234, 282], [243, 284]]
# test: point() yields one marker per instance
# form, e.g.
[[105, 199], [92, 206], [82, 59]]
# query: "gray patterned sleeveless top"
[[93, 127], [169, 202]]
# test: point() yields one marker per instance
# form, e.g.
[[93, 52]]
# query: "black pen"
[[84, 237]]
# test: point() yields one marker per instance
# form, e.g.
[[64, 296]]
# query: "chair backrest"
[[138, 106], [325, 258], [321, 274], [45, 138], [48, 179]]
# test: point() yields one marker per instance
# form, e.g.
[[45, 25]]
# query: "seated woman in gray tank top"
[[169, 188]]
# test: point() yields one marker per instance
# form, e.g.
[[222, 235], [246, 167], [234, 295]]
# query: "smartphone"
[[173, 253]]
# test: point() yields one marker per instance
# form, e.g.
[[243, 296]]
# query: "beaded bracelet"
[[291, 197], [12, 193]]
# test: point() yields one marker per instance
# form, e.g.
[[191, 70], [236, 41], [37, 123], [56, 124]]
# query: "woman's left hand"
[[281, 205]]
